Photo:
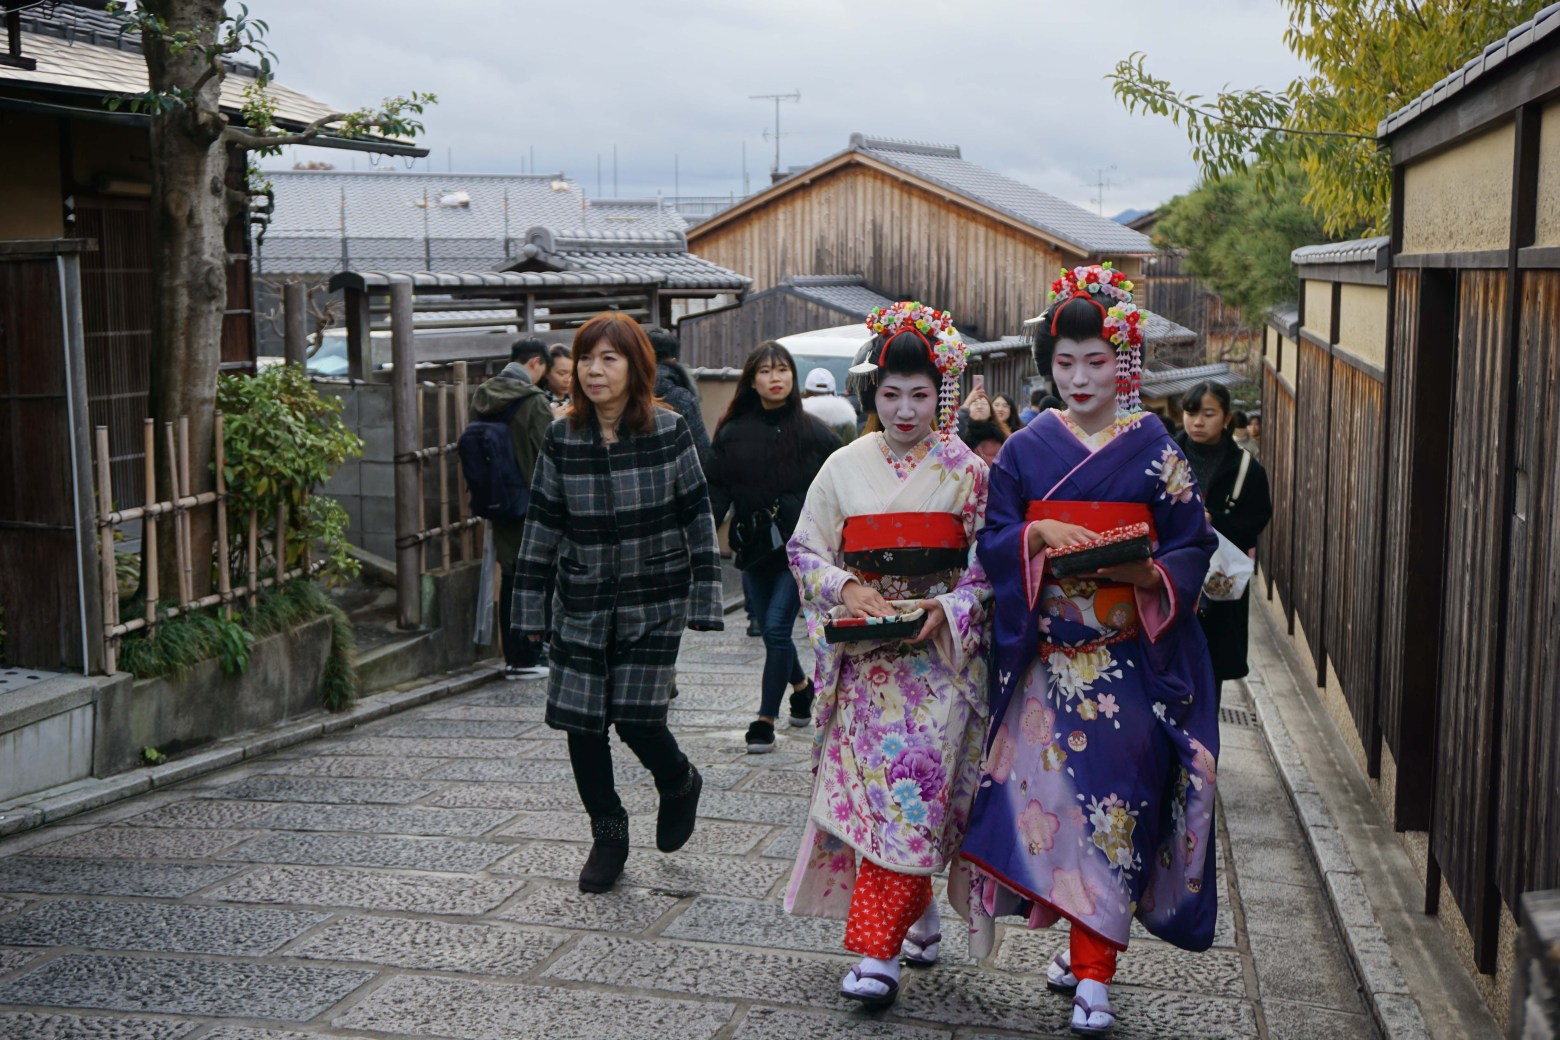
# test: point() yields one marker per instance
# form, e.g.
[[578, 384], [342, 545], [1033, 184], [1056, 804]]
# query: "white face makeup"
[[907, 407], [1085, 375]]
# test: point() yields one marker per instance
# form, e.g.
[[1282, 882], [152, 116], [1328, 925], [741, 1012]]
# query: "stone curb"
[[79, 796], [1391, 1002]]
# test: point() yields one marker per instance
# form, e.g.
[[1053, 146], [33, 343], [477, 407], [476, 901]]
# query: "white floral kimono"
[[898, 745]]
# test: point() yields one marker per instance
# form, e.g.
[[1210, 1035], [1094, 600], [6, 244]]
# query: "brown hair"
[[628, 339]]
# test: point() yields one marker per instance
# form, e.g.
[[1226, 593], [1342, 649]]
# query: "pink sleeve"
[[1032, 567], [1157, 607]]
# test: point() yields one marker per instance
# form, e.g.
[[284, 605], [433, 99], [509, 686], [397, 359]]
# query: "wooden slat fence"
[[1312, 394], [1276, 550]]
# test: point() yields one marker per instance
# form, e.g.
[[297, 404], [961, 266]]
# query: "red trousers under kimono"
[[882, 909], [1091, 958]]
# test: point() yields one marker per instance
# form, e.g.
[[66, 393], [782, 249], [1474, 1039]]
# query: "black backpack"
[[499, 491]]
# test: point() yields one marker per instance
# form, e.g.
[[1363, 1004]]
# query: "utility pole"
[[598, 175], [795, 95], [614, 172], [1102, 181], [745, 191], [676, 178]]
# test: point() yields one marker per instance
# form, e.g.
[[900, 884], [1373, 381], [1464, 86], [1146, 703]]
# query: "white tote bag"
[[1230, 570]]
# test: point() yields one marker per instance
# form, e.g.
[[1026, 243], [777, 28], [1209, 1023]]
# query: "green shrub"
[[283, 440]]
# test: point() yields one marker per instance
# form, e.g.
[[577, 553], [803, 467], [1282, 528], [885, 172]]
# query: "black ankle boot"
[[604, 865], [678, 813]]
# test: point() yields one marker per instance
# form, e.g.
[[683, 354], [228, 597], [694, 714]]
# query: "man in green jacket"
[[519, 386]]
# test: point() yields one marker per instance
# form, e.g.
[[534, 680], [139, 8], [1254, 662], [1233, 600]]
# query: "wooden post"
[[422, 493], [186, 521], [177, 516], [294, 316], [254, 559], [281, 544], [149, 528], [444, 471], [359, 347], [403, 411], [224, 581], [105, 496], [463, 509]]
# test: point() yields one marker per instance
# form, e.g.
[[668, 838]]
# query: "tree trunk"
[[190, 211]]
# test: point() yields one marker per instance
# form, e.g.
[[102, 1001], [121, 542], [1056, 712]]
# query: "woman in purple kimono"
[[1096, 797]]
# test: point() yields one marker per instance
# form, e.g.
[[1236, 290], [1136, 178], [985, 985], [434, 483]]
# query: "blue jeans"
[[776, 603]]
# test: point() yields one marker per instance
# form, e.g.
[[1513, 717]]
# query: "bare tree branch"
[[235, 135]]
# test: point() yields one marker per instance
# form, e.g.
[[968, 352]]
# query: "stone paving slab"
[[492, 1011], [717, 837], [228, 989], [156, 927], [10, 960], [483, 728], [373, 819], [1146, 963], [647, 868], [481, 770], [773, 1023], [102, 877], [350, 766], [201, 813], [497, 950], [445, 855], [706, 971], [563, 905], [326, 789], [559, 796], [463, 708], [33, 1026], [367, 890], [142, 843], [420, 747]]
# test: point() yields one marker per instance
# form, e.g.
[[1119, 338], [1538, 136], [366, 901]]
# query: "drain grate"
[[1237, 717]]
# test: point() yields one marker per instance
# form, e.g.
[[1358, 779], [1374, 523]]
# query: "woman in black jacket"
[[765, 454], [1239, 508]]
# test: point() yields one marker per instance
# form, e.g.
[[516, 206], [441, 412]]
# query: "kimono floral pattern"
[[1097, 784], [899, 726]]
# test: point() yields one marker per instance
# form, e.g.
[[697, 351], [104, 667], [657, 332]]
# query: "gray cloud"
[[1017, 83]]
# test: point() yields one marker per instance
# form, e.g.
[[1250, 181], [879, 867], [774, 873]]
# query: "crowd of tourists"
[[1019, 618]]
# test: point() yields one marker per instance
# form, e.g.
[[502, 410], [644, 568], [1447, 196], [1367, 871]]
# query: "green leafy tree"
[[1366, 58], [186, 44], [1237, 233]]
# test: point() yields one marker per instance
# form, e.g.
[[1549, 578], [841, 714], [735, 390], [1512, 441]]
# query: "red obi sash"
[[1098, 517], [905, 544]]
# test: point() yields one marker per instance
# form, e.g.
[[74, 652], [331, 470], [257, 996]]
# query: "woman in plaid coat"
[[620, 518]]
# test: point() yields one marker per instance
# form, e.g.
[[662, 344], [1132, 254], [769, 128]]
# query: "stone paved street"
[[415, 878]]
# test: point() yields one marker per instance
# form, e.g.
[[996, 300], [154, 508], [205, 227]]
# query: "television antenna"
[[1101, 181], [795, 95]]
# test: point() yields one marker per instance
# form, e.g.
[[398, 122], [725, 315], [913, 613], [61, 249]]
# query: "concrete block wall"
[[366, 487]]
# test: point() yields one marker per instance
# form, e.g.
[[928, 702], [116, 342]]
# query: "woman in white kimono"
[[893, 516]]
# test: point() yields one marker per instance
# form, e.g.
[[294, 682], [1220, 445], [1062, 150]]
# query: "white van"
[[834, 349]]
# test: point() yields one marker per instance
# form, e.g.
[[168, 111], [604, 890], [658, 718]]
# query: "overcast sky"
[[1018, 84]]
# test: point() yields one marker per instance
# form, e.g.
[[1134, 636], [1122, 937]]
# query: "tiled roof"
[[1000, 346], [1173, 382], [1286, 320], [483, 280], [846, 293], [945, 165], [82, 50], [457, 223], [1356, 251], [1540, 27]]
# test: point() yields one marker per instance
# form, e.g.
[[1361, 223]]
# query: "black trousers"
[[519, 652], [590, 756]]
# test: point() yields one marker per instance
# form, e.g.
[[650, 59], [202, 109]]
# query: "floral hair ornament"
[[1122, 321], [944, 345]]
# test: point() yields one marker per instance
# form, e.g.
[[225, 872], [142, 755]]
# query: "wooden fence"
[[161, 604]]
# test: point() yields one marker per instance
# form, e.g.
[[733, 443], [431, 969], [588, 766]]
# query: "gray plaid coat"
[[627, 531]]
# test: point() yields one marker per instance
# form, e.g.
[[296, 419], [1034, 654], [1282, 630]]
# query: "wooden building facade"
[[1412, 432], [917, 221]]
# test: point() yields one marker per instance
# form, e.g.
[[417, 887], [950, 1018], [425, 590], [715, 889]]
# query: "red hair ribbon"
[[1057, 311]]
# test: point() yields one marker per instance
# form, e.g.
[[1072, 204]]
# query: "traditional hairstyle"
[[910, 338], [629, 340], [1096, 302]]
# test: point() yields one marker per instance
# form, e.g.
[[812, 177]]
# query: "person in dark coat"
[[1238, 514], [620, 518], [767, 451], [675, 385], [520, 387]]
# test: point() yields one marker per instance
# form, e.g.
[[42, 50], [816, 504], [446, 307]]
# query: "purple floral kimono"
[[898, 744], [1097, 788]]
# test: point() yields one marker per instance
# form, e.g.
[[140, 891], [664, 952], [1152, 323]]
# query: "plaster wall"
[[1318, 309], [30, 177], [1362, 322], [1290, 359], [1549, 176], [1461, 199]]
